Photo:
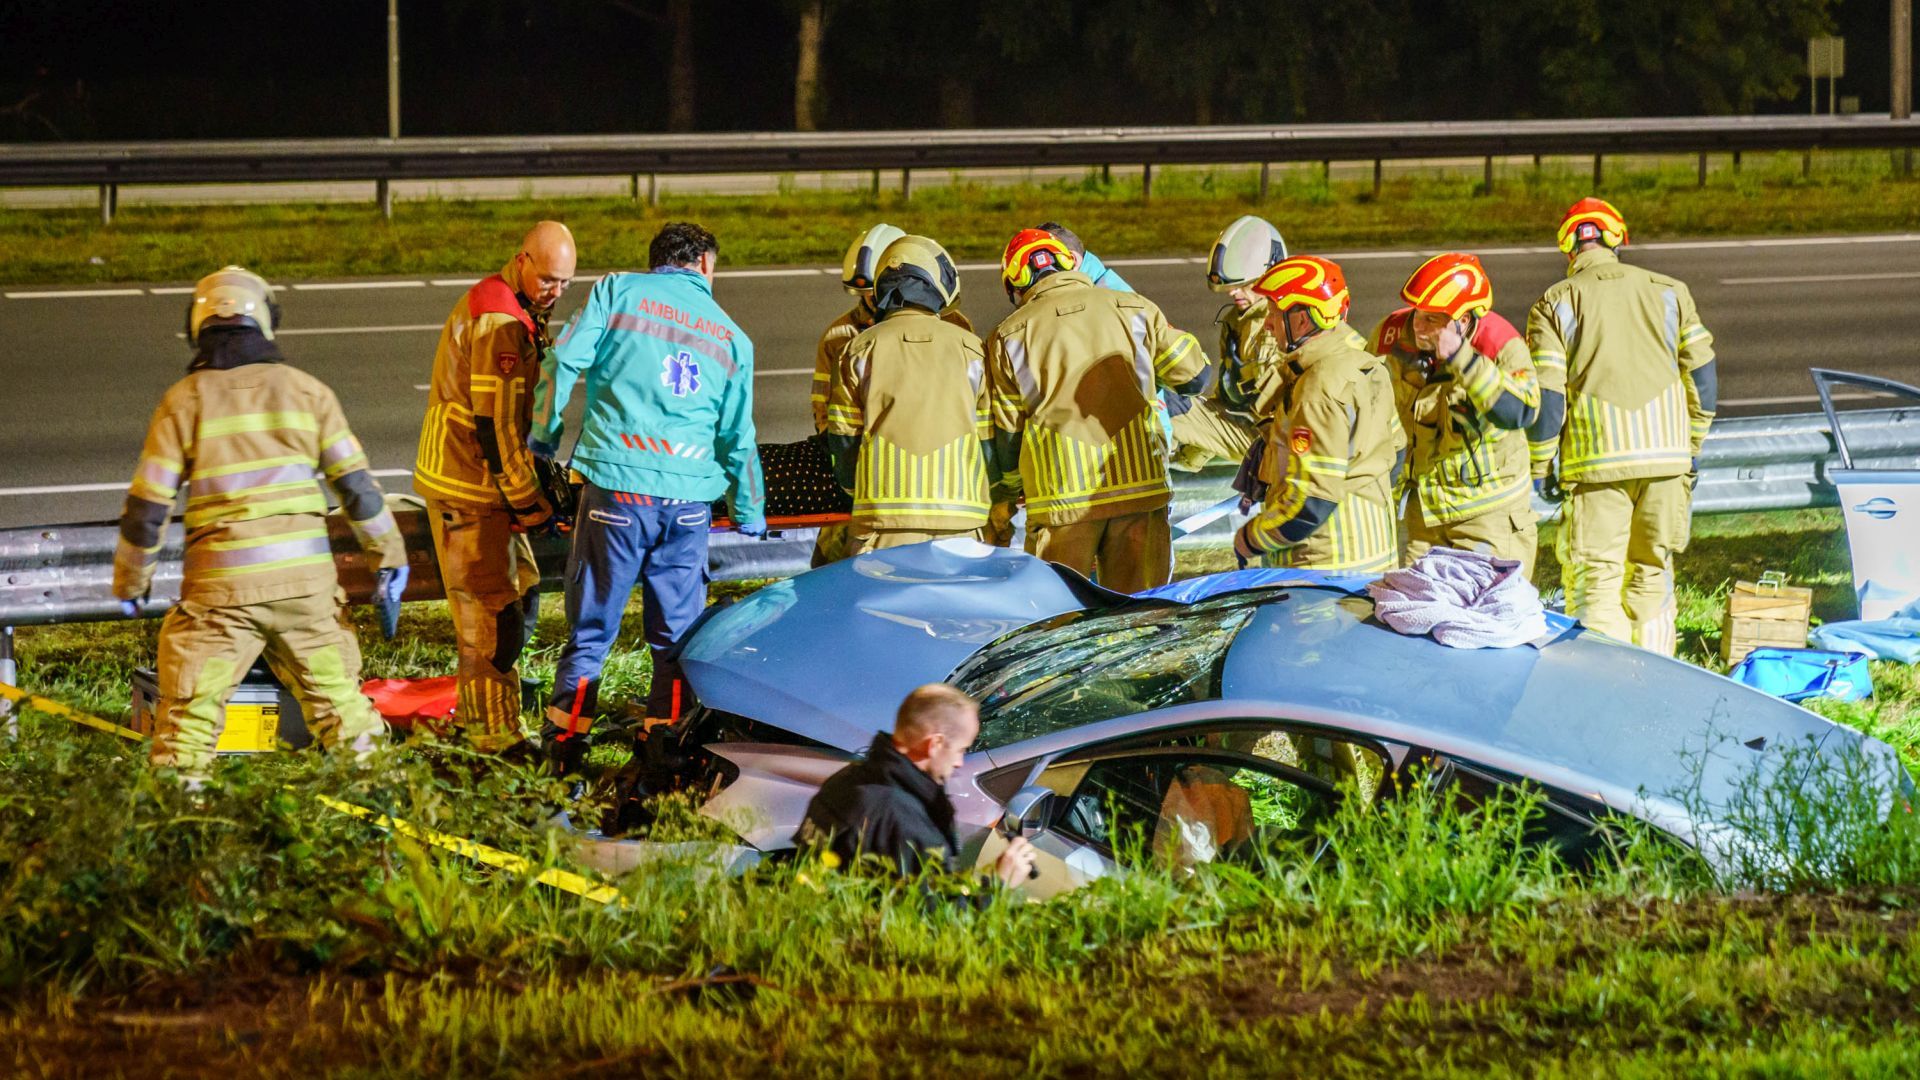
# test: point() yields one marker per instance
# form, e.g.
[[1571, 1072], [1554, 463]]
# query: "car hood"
[[829, 655]]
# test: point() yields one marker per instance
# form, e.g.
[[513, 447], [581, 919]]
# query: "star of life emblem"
[[680, 373]]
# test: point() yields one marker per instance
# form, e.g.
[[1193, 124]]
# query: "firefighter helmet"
[[862, 259], [1306, 281], [1450, 284], [915, 271], [1031, 255], [1592, 219], [232, 296], [1242, 252]]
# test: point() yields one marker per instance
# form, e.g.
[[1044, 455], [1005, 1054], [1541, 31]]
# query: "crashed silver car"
[[1200, 717]]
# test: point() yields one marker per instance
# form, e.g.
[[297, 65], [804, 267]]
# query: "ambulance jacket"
[[473, 444], [1467, 423], [669, 392], [1623, 346], [1074, 371], [1330, 460], [833, 345], [912, 390], [250, 445]]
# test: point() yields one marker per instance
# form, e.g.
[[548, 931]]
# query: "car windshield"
[[1084, 666]]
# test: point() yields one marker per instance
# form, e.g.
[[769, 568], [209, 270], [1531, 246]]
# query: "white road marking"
[[1650, 245], [770, 372], [422, 386], [309, 331], [71, 293], [333, 286], [794, 271], [1804, 279]]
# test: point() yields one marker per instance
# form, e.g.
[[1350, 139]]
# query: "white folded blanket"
[[1463, 598]]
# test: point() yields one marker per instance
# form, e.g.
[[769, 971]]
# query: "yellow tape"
[[54, 708], [564, 880]]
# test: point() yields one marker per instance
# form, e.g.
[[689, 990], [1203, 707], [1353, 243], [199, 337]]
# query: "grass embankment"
[[1848, 192], [255, 933]]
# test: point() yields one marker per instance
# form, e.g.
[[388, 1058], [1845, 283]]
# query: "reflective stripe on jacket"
[[1621, 343], [913, 389], [1074, 372]]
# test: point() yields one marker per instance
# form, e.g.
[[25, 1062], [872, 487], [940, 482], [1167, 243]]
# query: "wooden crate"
[[1765, 612]]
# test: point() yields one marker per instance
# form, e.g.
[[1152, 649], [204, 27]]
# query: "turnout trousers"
[[206, 651], [491, 583], [1616, 551], [1504, 533], [1127, 553], [865, 538], [621, 539]]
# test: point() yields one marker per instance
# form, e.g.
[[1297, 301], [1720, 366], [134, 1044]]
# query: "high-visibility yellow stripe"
[[212, 572], [265, 421], [240, 495], [262, 541], [305, 504], [252, 465]]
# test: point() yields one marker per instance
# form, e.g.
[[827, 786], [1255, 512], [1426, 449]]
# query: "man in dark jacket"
[[894, 806]]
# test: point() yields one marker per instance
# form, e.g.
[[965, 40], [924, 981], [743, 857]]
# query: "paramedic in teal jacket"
[[668, 429]]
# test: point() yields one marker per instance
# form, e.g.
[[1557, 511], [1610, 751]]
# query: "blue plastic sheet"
[[1896, 638]]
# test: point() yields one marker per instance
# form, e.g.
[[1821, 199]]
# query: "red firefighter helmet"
[[1592, 219], [1307, 281], [1451, 284], [1031, 255]]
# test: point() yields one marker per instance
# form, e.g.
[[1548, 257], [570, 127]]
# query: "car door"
[[1879, 496]]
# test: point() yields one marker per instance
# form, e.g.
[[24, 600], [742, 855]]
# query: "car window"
[[1086, 666], [1342, 763], [1178, 812]]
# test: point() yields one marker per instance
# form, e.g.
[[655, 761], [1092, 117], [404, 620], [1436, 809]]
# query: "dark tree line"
[[109, 69]]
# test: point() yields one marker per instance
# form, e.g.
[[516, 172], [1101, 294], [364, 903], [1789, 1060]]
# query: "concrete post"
[[109, 202], [1266, 179], [1146, 182]]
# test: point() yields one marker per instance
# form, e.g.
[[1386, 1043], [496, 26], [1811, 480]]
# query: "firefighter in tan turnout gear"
[[480, 481], [1225, 423], [1466, 392], [1628, 390], [907, 417], [857, 272], [1074, 371], [249, 438], [1334, 448]]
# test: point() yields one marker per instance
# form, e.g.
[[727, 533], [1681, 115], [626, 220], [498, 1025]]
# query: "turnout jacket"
[[249, 439], [473, 444], [1625, 349], [884, 807], [669, 392], [1331, 456], [833, 345], [1467, 424], [912, 390], [1250, 361], [1074, 371]]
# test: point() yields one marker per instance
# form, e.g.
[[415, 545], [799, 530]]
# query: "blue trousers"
[[619, 539]]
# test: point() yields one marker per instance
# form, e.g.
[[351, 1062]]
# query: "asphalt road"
[[85, 366]]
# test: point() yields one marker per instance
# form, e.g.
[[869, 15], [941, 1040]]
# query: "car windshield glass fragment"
[[1086, 666]]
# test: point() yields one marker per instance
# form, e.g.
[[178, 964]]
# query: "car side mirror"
[[1030, 809]]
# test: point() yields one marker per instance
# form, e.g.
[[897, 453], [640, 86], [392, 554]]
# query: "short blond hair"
[[936, 708]]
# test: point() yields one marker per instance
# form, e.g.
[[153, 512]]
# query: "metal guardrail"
[[254, 161], [64, 573], [587, 155]]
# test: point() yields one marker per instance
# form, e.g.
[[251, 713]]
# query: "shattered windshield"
[[1084, 666]]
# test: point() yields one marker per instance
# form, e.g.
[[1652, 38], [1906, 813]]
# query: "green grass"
[[1847, 192], [253, 933]]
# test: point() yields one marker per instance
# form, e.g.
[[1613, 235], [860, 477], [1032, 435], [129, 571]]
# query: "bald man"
[[479, 479]]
